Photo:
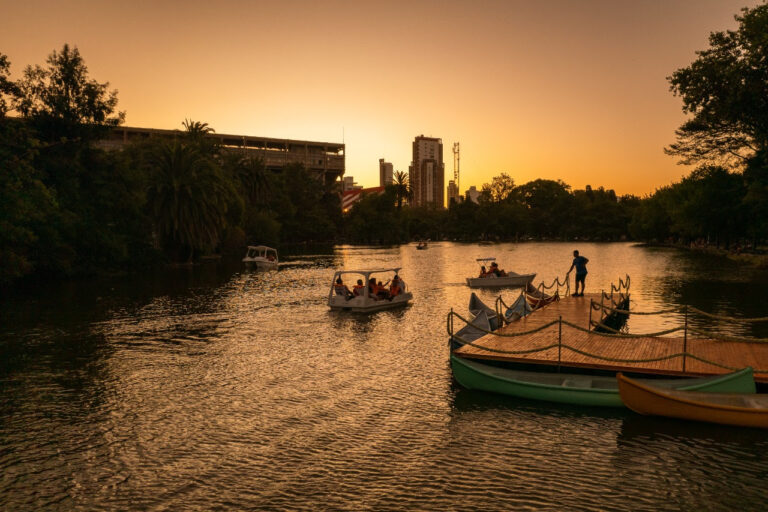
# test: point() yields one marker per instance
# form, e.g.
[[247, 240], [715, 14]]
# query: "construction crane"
[[456, 164]]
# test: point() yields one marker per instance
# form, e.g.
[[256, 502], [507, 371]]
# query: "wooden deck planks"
[[576, 311]]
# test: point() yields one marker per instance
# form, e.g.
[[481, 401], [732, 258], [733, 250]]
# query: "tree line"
[[68, 207]]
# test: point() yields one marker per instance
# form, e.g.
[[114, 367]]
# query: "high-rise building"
[[385, 173], [472, 194], [426, 173], [453, 192]]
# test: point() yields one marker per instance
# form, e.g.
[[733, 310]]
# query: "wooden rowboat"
[[578, 389], [739, 409]]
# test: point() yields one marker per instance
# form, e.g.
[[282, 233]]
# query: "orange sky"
[[574, 90]]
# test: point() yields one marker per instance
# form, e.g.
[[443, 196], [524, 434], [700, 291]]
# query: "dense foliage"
[[68, 207], [725, 90]]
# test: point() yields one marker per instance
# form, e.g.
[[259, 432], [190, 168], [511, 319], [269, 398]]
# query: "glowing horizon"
[[561, 90]]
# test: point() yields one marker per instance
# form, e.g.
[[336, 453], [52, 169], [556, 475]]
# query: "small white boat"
[[508, 279], [261, 257], [422, 245], [359, 297]]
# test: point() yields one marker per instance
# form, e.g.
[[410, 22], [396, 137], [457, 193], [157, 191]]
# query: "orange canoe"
[[739, 409]]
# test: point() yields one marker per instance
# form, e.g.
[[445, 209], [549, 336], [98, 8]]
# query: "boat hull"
[[576, 389], [500, 282], [361, 305], [261, 265], [651, 401]]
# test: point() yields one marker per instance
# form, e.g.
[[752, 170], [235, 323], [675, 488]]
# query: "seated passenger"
[[341, 289], [357, 290], [394, 288], [381, 290], [483, 272], [496, 271], [373, 288]]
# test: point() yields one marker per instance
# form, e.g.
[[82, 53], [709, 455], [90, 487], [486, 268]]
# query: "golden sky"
[[560, 89]]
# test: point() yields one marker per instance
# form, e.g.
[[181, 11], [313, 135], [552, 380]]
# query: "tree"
[[188, 197], [64, 101], [726, 91], [9, 91], [402, 188], [499, 189]]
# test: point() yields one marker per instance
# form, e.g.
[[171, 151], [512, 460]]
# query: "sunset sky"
[[574, 90]]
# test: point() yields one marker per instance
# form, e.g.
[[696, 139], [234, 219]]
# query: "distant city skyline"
[[556, 90]]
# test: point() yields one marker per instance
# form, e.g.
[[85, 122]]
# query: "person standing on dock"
[[580, 264]]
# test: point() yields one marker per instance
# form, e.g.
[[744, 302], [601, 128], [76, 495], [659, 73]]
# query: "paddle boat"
[[358, 298], [261, 257], [589, 390], [422, 245], [492, 280], [741, 409]]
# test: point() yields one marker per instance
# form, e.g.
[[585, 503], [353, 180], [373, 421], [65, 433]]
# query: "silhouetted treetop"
[[63, 96], [726, 91]]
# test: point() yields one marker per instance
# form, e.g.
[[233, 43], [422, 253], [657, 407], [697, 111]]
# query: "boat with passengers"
[[493, 277], [363, 290], [261, 257]]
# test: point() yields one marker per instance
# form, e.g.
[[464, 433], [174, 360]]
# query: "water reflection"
[[219, 387]]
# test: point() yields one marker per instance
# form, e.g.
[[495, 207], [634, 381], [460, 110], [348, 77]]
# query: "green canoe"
[[579, 389]]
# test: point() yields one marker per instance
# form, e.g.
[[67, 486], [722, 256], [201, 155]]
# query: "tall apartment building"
[[426, 173], [453, 192], [385, 173]]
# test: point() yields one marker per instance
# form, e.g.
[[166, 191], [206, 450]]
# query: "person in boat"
[[271, 257], [375, 289], [495, 270], [357, 290], [382, 291], [341, 289], [580, 264], [483, 271], [394, 287]]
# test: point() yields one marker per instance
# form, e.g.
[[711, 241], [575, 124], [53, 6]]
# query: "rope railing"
[[560, 346], [680, 309]]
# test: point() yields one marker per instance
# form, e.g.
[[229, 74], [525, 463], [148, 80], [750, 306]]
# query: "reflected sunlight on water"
[[222, 388]]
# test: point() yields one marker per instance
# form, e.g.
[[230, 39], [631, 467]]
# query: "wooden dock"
[[577, 311]]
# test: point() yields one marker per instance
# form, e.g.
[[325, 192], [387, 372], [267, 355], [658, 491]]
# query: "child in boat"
[[357, 290], [341, 289]]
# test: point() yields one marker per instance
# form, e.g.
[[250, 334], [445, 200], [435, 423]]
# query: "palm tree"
[[252, 176], [187, 197], [402, 187]]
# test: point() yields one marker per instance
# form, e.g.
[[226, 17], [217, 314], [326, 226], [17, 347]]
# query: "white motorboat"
[[261, 257], [359, 297], [492, 280]]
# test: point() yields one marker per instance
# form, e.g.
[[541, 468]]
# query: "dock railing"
[[539, 300], [620, 291], [619, 295]]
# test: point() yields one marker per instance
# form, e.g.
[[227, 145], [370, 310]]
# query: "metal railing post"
[[589, 326], [559, 341], [602, 308], [685, 335]]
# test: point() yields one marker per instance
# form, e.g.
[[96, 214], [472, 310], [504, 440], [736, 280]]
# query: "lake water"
[[216, 388]]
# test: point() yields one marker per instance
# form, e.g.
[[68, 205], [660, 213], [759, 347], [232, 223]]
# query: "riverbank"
[[753, 259]]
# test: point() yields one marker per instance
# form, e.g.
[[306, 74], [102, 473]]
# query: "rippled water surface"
[[217, 388]]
